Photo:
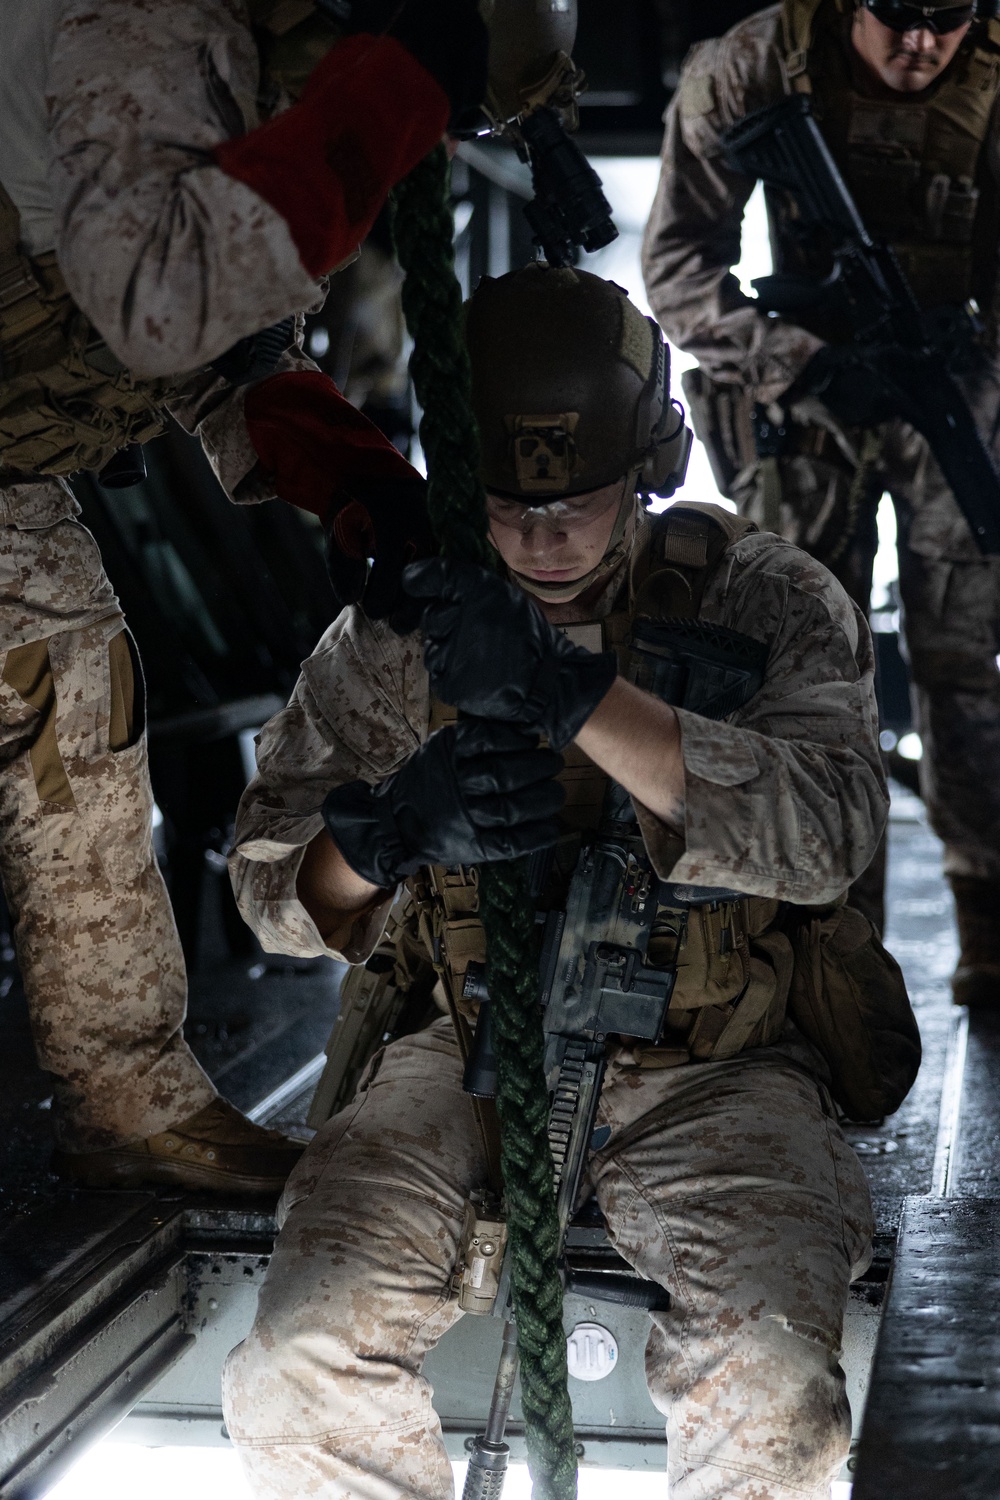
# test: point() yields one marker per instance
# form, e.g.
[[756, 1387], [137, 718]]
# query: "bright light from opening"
[[888, 740], [755, 244], [593, 1484], [630, 184], [463, 216], [120, 1471], [910, 747], [319, 342], [886, 569]]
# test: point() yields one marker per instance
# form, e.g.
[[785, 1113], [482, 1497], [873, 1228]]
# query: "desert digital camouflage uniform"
[[96, 941], [109, 114], [729, 1183], [121, 104], [950, 593]]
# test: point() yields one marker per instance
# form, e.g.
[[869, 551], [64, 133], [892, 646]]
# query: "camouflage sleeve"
[[212, 410], [692, 239], [358, 710], [171, 259], [788, 798]]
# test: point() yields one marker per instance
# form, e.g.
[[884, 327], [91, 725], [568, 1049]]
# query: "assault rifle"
[[607, 968], [784, 148]]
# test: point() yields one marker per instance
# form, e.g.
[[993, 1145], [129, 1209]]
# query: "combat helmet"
[[571, 391]]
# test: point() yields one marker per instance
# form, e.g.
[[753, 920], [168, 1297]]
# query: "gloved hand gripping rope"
[[432, 303]]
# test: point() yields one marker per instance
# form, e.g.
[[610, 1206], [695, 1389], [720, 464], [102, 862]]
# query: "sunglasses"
[[901, 17]]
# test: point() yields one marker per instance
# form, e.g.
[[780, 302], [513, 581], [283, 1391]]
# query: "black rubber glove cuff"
[[359, 820], [472, 793], [490, 651], [567, 689]]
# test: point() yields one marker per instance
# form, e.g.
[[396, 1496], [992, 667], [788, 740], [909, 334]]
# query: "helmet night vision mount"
[[532, 105]]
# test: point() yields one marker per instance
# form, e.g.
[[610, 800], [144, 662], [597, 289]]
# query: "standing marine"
[[804, 435], [176, 181], [725, 1177]]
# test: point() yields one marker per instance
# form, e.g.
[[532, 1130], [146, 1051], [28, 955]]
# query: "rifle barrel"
[[487, 1469]]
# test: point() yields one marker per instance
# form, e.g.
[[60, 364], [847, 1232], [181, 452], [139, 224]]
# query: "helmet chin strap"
[[618, 548]]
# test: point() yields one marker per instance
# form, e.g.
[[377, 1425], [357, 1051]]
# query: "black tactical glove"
[[472, 793], [490, 651], [385, 521], [856, 383], [447, 37]]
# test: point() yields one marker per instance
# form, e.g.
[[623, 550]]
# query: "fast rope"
[[432, 304]]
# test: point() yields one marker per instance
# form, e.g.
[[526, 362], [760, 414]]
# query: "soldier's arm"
[[173, 247], [212, 409], [692, 240], [333, 894], [345, 722], [786, 799], [290, 434], [636, 738]]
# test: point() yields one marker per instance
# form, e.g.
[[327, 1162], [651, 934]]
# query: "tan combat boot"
[[976, 981], [217, 1148]]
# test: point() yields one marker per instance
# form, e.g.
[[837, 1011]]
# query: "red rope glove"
[[368, 113], [322, 455], [312, 442]]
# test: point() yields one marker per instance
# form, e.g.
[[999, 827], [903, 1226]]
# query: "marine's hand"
[[325, 456], [374, 528], [857, 384], [490, 651], [474, 792]]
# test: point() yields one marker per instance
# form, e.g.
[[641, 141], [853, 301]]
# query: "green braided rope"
[[432, 303], [423, 229]]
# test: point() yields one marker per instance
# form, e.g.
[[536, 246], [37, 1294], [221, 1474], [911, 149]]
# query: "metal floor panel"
[[977, 1164], [89, 1327], [62, 1241], [932, 1429]]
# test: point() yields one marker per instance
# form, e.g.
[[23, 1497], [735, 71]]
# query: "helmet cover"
[[570, 385]]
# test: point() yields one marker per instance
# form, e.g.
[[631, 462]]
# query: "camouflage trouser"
[[729, 1183], [950, 597], [96, 942]]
